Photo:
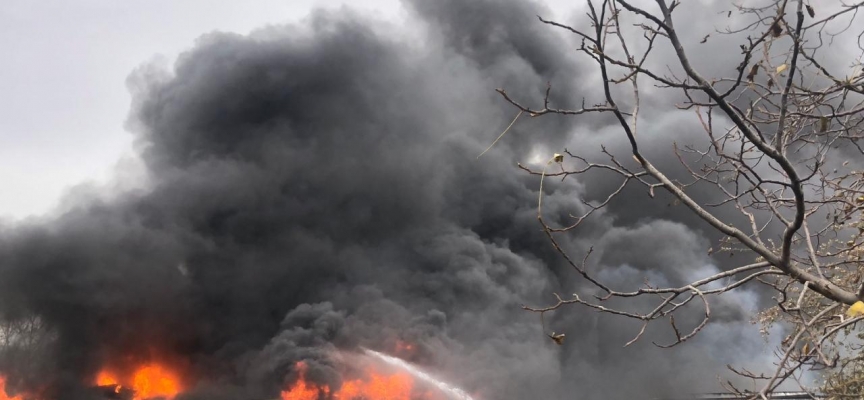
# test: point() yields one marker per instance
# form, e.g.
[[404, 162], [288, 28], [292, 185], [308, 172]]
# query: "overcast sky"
[[63, 79]]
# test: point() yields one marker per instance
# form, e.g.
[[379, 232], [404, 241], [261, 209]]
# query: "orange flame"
[[154, 380], [148, 381], [106, 378], [303, 390], [3, 395], [376, 386]]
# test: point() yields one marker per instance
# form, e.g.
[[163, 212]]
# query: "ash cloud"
[[316, 188]]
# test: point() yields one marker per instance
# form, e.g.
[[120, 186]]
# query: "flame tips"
[[302, 390], [373, 385], [105, 378]]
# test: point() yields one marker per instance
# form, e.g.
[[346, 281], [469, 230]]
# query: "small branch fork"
[[767, 152]]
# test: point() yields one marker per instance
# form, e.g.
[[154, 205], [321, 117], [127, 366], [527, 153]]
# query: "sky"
[[65, 96]]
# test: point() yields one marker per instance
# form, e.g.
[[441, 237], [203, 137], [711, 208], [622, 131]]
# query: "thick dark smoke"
[[317, 187]]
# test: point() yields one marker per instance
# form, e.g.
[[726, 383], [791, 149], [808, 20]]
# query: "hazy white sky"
[[63, 79], [64, 98]]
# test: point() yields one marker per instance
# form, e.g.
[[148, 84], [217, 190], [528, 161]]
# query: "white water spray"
[[453, 391]]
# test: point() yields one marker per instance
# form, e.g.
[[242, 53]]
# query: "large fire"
[[369, 380], [375, 385], [147, 381]]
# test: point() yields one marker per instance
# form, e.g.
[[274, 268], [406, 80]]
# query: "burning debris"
[[379, 377], [115, 392], [374, 381], [146, 382], [374, 385]]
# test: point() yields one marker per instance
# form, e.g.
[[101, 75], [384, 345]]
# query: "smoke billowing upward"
[[317, 187]]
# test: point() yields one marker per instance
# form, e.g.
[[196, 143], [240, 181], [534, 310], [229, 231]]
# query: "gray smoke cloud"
[[316, 188]]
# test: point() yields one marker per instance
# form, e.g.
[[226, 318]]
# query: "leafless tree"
[[773, 128], [24, 341]]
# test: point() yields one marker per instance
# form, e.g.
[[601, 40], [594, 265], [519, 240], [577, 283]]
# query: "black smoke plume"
[[315, 188]]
